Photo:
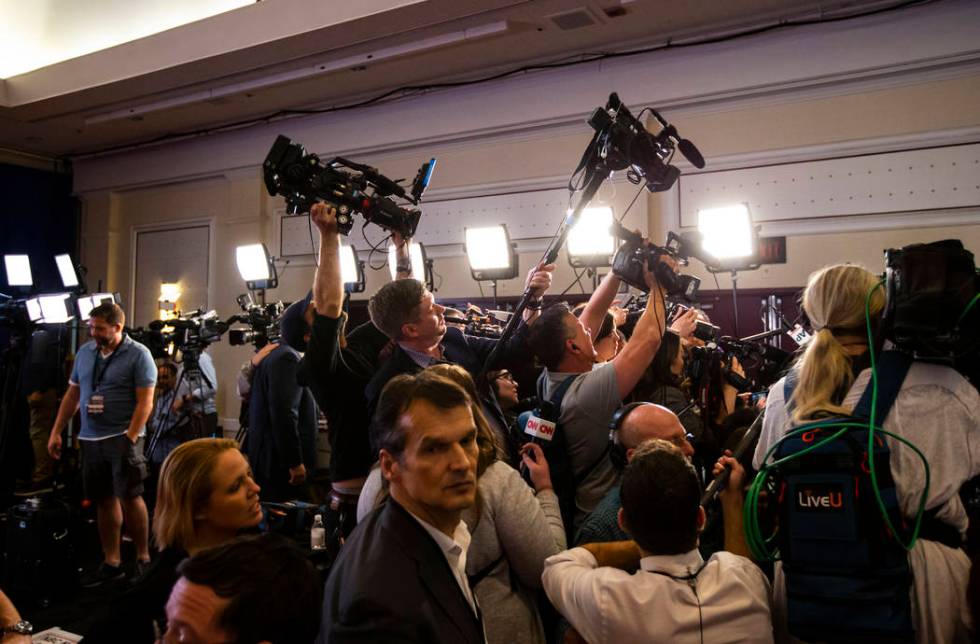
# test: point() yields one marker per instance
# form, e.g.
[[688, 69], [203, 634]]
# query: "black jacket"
[[467, 351], [337, 377], [282, 424], [392, 584]]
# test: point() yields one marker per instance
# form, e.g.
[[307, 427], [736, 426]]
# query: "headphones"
[[617, 451]]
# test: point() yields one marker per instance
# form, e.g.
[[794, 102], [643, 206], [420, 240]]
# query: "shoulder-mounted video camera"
[[354, 188], [932, 309], [634, 254], [623, 143]]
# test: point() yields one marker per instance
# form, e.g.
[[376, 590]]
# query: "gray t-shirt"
[[586, 409], [116, 379]]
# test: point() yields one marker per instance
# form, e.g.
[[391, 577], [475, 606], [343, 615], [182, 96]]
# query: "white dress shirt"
[[611, 605], [455, 551]]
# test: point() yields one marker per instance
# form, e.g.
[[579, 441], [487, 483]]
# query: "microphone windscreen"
[[691, 153]]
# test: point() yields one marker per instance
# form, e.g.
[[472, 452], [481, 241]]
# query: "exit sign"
[[772, 250]]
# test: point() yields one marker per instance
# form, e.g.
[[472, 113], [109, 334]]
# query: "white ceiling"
[[294, 55]]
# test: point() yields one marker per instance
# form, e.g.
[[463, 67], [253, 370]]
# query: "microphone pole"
[[743, 445], [599, 174]]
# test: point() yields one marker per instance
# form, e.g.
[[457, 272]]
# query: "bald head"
[[653, 421]]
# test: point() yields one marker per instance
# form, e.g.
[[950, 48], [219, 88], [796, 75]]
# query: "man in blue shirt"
[[112, 381]]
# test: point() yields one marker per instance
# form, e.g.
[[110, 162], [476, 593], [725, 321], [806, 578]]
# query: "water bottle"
[[318, 534]]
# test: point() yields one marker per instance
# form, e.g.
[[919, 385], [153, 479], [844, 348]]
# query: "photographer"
[[281, 441], [408, 314], [563, 344], [338, 374]]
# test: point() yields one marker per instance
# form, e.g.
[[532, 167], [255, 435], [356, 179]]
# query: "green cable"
[[967, 309], [758, 544], [871, 431]]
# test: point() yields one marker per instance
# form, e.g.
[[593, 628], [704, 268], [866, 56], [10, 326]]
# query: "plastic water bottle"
[[318, 534]]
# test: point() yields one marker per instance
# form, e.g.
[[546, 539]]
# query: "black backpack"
[[847, 574]]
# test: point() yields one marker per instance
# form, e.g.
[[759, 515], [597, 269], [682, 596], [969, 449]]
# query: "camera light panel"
[[69, 278], [348, 265], [87, 303], [18, 270], [253, 262], [591, 236], [34, 309], [727, 232], [50, 309], [488, 248]]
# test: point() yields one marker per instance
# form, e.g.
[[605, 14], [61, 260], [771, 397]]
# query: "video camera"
[[634, 253], [13, 314], [479, 323], [189, 334], [622, 141], [931, 304], [262, 320], [352, 187]]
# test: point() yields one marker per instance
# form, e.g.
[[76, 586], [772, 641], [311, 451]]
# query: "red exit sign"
[[772, 250]]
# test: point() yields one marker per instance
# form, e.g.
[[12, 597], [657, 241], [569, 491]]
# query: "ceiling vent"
[[575, 19]]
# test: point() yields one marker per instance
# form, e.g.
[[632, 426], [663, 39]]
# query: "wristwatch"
[[23, 627]]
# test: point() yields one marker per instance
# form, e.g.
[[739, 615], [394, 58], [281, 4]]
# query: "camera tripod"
[[196, 380]]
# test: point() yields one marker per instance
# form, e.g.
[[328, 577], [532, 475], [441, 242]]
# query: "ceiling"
[[273, 56]]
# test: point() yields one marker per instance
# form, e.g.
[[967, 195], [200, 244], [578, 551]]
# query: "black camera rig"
[[623, 143], [354, 188], [634, 254], [931, 306], [188, 334], [262, 321], [620, 142]]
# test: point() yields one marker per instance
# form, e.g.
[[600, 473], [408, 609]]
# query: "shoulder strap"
[[559, 394], [483, 572], [891, 370]]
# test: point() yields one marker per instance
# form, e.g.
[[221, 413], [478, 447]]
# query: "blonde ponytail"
[[834, 300]]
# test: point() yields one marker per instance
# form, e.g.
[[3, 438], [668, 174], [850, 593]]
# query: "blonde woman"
[[205, 497], [936, 409], [514, 530]]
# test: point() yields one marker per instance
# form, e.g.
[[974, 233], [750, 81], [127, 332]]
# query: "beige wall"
[[236, 202]]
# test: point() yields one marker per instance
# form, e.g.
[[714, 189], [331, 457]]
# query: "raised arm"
[[328, 286], [600, 301], [636, 356]]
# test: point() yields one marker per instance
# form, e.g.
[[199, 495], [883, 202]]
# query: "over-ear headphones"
[[617, 451]]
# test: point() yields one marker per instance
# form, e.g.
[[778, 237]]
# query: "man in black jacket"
[[337, 368], [281, 441], [401, 576], [408, 314]]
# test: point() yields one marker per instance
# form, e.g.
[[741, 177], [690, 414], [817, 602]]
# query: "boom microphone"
[[743, 445]]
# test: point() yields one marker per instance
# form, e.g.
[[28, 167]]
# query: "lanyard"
[[97, 374]]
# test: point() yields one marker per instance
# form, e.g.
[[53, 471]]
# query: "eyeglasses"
[[505, 374], [680, 441]]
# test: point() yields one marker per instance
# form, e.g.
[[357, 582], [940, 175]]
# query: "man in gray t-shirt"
[[112, 383], [563, 344]]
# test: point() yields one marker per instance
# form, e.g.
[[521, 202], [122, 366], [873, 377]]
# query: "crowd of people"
[[449, 524]]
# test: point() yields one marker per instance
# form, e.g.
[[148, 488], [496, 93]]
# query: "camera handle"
[[743, 445], [595, 181]]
